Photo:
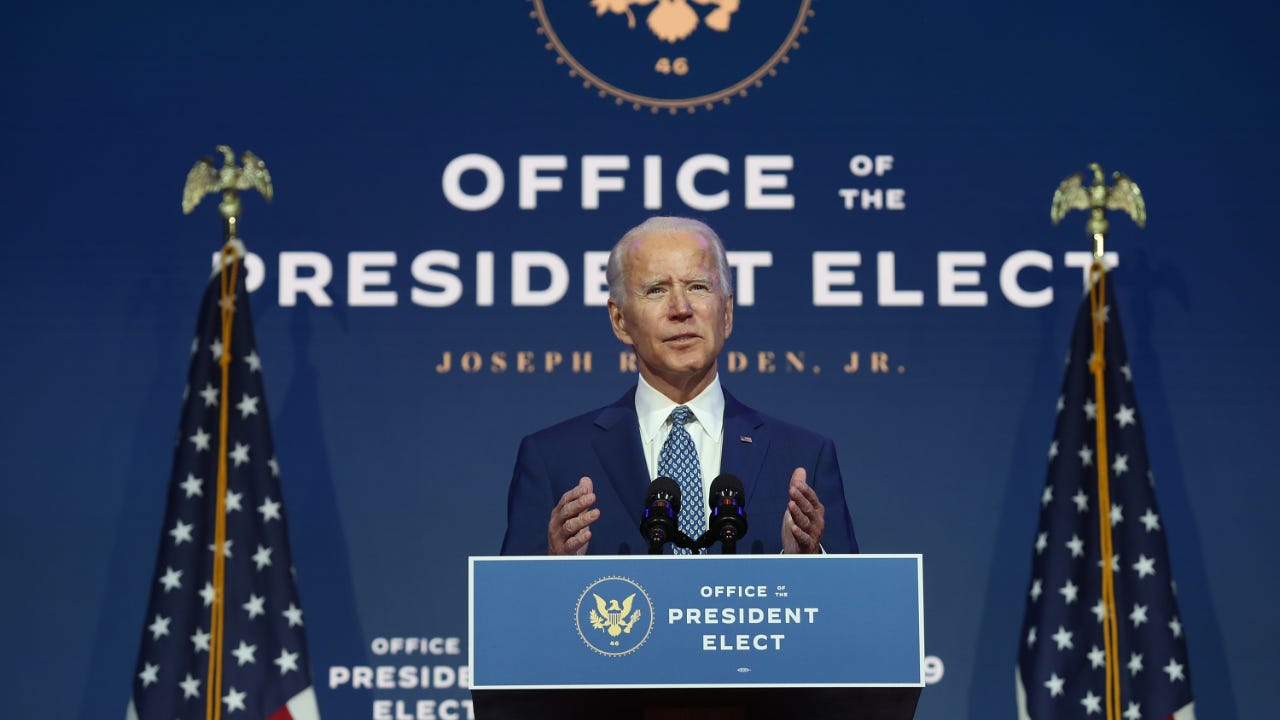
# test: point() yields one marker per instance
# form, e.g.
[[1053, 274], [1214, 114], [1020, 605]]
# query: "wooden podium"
[[714, 637]]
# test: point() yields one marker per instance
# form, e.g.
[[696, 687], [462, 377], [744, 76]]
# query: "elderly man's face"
[[676, 315]]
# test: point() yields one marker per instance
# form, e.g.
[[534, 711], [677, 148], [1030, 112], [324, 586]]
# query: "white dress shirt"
[[706, 428]]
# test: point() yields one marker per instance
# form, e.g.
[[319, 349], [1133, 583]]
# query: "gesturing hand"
[[804, 520], [570, 528]]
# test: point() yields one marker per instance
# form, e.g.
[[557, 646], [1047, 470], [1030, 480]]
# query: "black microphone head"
[[728, 510], [661, 513], [726, 486], [664, 489]]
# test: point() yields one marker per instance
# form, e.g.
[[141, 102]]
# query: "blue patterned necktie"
[[679, 461]]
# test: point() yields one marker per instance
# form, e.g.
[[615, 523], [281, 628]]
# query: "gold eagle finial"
[[204, 178], [1097, 198]]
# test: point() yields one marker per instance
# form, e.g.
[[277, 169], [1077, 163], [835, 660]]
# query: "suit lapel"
[[746, 442], [620, 453]]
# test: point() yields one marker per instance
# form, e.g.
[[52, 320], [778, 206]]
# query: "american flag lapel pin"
[[745, 438]]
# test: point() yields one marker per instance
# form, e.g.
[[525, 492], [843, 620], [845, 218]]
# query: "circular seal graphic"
[[672, 54], [614, 616]]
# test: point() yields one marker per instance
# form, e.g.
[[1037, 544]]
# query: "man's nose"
[[678, 304]]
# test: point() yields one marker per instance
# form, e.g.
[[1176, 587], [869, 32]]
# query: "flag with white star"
[[1061, 657], [265, 672]]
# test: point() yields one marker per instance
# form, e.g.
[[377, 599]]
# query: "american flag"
[[265, 673], [1061, 653]]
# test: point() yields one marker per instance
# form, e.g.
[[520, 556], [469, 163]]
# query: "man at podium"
[[579, 486]]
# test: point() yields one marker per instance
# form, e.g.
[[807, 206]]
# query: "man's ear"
[[728, 317], [619, 323]]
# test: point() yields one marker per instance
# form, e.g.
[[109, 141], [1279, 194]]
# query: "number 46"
[[666, 66]]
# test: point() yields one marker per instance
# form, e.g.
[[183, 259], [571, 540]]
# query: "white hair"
[[615, 271]]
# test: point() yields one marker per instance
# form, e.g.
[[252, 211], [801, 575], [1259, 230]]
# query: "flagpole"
[[1097, 198], [1097, 300], [201, 180], [230, 256]]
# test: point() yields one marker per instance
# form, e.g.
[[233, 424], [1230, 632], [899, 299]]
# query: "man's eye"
[[655, 290]]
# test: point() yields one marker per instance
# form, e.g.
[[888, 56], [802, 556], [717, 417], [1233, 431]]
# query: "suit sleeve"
[[838, 536], [529, 503]]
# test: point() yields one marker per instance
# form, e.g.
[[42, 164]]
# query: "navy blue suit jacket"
[[605, 445]]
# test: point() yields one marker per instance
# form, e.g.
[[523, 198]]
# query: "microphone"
[[658, 524], [728, 512]]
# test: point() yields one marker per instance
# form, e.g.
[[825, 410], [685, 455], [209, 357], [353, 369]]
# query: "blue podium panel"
[[702, 621]]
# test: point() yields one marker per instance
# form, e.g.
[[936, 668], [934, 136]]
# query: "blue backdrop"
[[394, 466]]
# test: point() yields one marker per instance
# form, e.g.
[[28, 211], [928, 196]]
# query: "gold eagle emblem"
[[204, 178], [1124, 195], [672, 20], [1098, 198], [612, 617]]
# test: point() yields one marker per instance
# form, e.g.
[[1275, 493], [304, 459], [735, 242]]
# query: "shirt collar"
[[653, 409]]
